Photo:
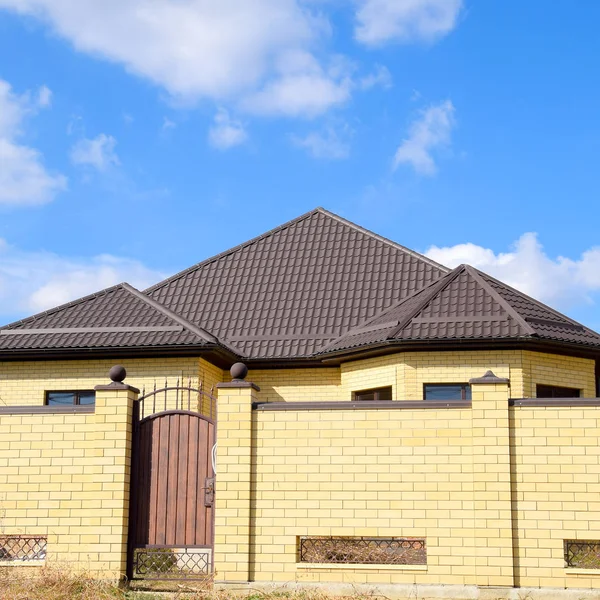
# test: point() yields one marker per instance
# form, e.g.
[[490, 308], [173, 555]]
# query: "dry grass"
[[51, 583]]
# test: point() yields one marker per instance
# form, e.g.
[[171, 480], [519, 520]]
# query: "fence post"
[[113, 444], [492, 481], [233, 478]]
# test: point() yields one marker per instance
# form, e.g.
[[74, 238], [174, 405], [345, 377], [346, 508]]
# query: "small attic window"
[[76, 397], [382, 393], [447, 391], [555, 391]]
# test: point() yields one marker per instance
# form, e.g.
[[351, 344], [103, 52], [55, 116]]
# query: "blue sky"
[[138, 137]]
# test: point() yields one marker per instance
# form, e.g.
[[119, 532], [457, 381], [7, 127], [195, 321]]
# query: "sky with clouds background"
[[138, 137]]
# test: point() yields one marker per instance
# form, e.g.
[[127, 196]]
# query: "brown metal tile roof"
[[466, 304], [116, 317], [296, 288], [310, 289]]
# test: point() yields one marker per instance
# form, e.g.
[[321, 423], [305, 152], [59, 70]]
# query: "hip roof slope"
[[294, 289]]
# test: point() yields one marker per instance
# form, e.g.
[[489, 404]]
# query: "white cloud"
[[381, 21], [560, 282], [168, 124], [23, 178], [35, 281], [427, 133], [302, 87], [328, 144], [380, 76], [226, 132], [224, 51], [98, 152], [44, 98]]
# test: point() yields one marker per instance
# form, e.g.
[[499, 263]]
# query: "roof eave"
[[215, 353], [524, 343]]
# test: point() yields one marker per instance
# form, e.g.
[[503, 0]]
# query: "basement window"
[[555, 391], [582, 554], [363, 550], [447, 391], [22, 548], [382, 393], [75, 397]]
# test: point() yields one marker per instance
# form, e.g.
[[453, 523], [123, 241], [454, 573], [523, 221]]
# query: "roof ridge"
[[64, 306], [202, 333], [536, 302], [286, 225], [477, 275], [437, 287], [381, 313], [231, 250], [383, 239]]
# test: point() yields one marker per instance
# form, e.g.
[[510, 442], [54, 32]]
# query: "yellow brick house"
[[387, 422]]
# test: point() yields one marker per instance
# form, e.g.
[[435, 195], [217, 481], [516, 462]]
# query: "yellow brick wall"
[[296, 385], [553, 369], [556, 487], [66, 477], [46, 472], [363, 473], [459, 367], [25, 383]]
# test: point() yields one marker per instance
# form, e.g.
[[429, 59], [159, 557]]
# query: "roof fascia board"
[[398, 346]]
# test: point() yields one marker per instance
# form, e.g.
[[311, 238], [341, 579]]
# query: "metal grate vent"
[[15, 548], [362, 550], [171, 563], [582, 554]]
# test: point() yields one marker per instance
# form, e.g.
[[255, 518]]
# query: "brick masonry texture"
[[25, 383], [494, 489], [67, 477]]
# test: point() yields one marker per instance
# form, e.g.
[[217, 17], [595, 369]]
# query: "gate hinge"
[[209, 491]]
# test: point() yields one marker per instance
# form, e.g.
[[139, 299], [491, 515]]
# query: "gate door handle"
[[209, 491]]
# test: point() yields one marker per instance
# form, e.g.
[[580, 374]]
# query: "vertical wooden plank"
[[161, 475], [182, 477], [141, 485], [202, 475], [173, 463], [153, 428], [192, 482]]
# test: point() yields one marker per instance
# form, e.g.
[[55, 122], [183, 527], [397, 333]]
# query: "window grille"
[[582, 554], [17, 548], [362, 550]]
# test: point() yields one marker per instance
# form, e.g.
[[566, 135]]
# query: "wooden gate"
[[172, 491]]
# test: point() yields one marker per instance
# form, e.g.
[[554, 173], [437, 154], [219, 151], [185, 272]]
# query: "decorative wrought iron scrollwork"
[[166, 562]]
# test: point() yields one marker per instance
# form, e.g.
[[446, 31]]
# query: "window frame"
[[556, 387], [464, 387], [376, 391], [76, 397]]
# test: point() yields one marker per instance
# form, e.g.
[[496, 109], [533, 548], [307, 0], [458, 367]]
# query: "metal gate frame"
[[162, 562]]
